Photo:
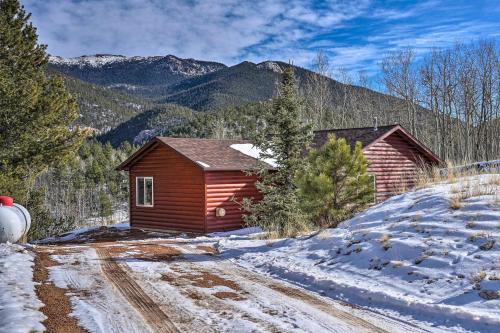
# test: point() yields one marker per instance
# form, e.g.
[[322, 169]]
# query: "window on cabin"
[[144, 191]]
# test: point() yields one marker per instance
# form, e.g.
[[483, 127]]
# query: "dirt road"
[[181, 285]]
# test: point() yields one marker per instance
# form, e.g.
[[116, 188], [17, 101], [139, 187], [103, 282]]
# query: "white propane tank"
[[15, 221]]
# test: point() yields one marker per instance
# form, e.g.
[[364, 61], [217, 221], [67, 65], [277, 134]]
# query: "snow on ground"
[[413, 255], [100, 308], [18, 302]]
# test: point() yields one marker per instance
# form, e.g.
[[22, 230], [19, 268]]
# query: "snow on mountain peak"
[[270, 65], [97, 60], [187, 67]]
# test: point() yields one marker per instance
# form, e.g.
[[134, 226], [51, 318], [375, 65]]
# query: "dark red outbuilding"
[[194, 185]]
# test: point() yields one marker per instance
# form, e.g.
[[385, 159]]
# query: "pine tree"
[[36, 112], [283, 139], [335, 182]]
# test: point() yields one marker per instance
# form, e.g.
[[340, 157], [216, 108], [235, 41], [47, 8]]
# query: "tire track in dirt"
[[147, 308], [184, 283], [305, 297], [207, 300], [297, 294], [236, 273]]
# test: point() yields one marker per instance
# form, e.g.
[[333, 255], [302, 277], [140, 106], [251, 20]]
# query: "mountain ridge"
[[159, 83]]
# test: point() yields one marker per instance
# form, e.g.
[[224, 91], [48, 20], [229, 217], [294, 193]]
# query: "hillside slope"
[[123, 83], [103, 108], [236, 85], [417, 253], [153, 122]]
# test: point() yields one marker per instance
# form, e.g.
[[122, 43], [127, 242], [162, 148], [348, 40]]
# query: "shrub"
[[334, 183]]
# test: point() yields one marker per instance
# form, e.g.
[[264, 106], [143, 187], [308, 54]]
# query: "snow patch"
[[92, 61], [237, 232], [205, 165], [270, 65], [73, 234], [252, 151], [18, 302]]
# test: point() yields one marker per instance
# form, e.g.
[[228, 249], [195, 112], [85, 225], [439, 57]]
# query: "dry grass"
[[451, 174], [324, 235], [471, 225], [471, 190], [455, 203], [384, 240], [397, 263], [478, 235], [478, 277], [494, 180], [420, 259]]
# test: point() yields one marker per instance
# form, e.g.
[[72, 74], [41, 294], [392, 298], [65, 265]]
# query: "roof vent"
[[375, 124]]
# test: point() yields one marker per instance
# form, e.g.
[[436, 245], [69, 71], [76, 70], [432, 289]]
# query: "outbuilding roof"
[[365, 135], [214, 154]]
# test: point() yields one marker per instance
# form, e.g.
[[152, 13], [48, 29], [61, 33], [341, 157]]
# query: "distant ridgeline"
[[135, 98]]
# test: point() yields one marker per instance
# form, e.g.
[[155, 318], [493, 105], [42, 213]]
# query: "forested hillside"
[[452, 114], [102, 108], [174, 120], [231, 90]]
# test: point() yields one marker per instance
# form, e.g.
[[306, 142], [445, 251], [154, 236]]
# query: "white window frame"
[[144, 178]]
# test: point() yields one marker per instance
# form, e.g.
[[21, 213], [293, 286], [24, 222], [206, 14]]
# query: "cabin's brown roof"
[[365, 135], [217, 154]]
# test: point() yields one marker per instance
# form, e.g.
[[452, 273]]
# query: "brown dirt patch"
[[170, 279], [142, 251], [207, 249], [194, 296], [117, 250], [106, 234], [57, 306], [209, 280], [228, 295], [155, 252]]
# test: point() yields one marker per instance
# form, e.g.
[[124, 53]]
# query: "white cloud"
[[222, 30], [355, 34]]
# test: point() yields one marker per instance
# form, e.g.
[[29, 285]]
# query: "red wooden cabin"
[[190, 184], [393, 154]]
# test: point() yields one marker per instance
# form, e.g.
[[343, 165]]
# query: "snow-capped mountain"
[[108, 69], [97, 60]]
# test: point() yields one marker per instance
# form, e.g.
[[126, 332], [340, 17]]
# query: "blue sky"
[[354, 34]]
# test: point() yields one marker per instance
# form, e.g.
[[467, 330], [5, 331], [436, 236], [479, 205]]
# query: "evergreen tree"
[[335, 182], [35, 111], [106, 206], [283, 140]]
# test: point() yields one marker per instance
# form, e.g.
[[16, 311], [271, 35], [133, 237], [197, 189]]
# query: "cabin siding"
[[178, 192], [394, 162], [186, 195], [222, 189]]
